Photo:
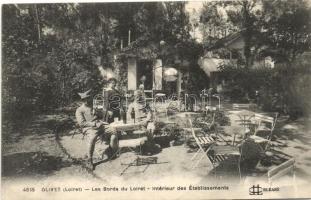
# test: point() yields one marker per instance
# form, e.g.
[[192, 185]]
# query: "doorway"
[[145, 74]]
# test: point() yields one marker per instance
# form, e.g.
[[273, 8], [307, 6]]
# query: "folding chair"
[[224, 154], [98, 102], [261, 122], [209, 125], [215, 154], [161, 108], [204, 143]]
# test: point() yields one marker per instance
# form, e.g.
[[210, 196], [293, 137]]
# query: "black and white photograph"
[[156, 99]]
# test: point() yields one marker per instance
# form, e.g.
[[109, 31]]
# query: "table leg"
[[233, 140]]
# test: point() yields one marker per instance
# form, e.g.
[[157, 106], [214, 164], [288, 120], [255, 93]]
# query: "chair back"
[[206, 140], [149, 95], [261, 118], [98, 102], [160, 108], [193, 133]]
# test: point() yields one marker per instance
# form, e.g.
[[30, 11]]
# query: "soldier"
[[93, 127]]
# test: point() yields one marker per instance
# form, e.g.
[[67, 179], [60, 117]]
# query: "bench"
[[281, 170]]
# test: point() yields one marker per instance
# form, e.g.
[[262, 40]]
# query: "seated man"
[[92, 127]]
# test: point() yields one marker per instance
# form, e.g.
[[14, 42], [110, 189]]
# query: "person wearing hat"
[[112, 101], [91, 126]]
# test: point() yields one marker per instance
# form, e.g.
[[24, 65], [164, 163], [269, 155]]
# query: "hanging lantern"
[[162, 43], [170, 74]]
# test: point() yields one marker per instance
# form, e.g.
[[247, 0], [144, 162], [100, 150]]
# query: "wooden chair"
[[98, 102], [261, 121], [213, 153], [149, 95], [204, 143], [159, 110], [211, 124], [225, 154]]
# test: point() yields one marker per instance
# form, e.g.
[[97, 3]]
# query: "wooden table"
[[226, 150], [120, 126]]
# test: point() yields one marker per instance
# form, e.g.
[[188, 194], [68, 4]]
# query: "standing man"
[[93, 127], [112, 101]]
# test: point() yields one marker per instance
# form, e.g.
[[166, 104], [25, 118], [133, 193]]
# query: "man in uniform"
[[93, 127]]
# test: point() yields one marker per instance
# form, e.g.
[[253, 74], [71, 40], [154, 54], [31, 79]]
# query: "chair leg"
[[239, 168], [195, 155], [215, 172], [198, 161], [204, 155]]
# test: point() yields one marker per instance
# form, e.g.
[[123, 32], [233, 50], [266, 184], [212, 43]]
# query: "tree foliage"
[[288, 28], [280, 29], [52, 51]]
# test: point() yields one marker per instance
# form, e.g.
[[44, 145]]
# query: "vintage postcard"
[[156, 100]]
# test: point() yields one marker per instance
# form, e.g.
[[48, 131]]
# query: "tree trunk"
[[37, 22]]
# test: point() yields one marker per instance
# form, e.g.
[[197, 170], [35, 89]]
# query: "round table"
[[233, 131], [245, 117]]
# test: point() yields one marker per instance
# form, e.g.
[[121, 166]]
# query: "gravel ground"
[[31, 151]]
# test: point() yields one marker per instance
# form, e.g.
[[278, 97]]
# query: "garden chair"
[[98, 102], [160, 110], [149, 95], [264, 124], [211, 124], [204, 143], [207, 127], [225, 154], [214, 153]]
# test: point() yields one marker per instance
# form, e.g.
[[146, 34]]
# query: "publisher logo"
[[255, 190]]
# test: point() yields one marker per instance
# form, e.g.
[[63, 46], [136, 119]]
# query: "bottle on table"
[[133, 114]]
